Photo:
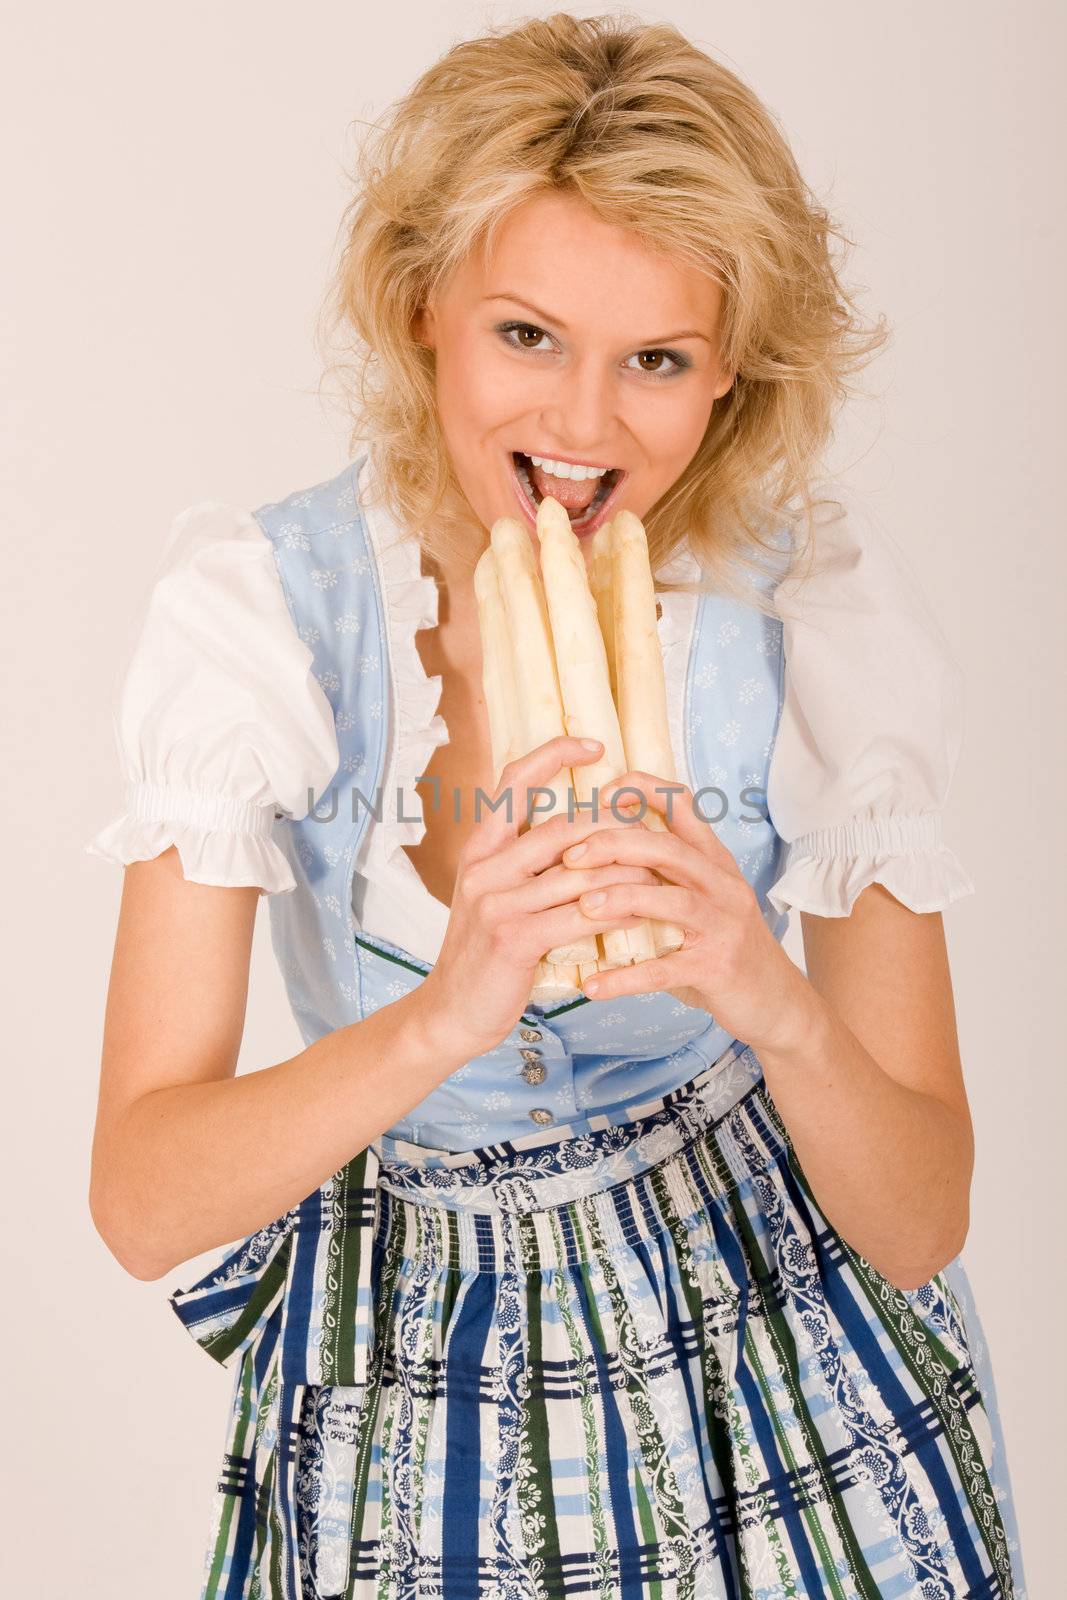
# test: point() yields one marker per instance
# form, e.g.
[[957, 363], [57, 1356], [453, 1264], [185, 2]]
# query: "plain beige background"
[[173, 184]]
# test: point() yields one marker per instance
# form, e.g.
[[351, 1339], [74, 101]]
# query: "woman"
[[656, 1291]]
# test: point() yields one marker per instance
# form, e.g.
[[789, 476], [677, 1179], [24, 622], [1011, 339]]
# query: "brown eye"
[[522, 336], [654, 363]]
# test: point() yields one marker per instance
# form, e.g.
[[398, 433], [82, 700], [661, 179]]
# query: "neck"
[[454, 577]]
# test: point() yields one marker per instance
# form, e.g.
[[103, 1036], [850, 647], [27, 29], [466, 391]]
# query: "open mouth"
[[585, 519]]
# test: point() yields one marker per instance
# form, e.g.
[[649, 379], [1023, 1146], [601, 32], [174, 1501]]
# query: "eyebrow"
[[546, 316]]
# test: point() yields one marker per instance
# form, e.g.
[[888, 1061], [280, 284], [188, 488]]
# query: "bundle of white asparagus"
[[576, 651]]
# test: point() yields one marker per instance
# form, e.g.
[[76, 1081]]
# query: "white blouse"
[[220, 719]]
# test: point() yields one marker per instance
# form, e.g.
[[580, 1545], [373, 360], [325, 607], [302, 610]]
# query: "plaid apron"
[[632, 1362]]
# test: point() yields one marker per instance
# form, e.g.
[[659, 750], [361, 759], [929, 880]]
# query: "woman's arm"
[[869, 1084], [185, 1155]]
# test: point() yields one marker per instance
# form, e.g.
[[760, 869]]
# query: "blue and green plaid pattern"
[[637, 1362]]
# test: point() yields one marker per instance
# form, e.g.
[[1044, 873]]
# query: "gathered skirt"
[[632, 1362]]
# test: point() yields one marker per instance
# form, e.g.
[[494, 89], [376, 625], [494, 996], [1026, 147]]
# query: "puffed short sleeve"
[[870, 729], [219, 720]]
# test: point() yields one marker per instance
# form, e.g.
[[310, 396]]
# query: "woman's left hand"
[[730, 964]]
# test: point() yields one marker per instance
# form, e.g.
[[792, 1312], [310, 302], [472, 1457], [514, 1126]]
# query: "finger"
[[560, 886], [521, 860], [531, 935], [540, 848], [499, 821], [671, 856], [566, 925], [675, 804], [661, 902], [643, 977]]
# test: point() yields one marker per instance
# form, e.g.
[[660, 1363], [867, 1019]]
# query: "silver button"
[[540, 1114], [531, 1035], [534, 1072]]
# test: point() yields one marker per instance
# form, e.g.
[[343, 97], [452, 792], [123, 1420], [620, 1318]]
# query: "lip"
[[589, 528], [570, 461]]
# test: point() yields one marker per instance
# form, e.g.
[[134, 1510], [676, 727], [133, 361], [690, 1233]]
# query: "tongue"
[[573, 494]]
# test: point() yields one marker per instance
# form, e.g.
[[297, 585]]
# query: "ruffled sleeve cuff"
[[826, 869], [220, 841], [221, 723]]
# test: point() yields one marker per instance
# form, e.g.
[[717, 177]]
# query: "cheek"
[[498, 392], [673, 434], [475, 401]]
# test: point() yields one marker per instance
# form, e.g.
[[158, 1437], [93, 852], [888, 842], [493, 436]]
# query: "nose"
[[579, 413]]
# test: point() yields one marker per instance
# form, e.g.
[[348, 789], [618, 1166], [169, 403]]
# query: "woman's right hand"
[[514, 900]]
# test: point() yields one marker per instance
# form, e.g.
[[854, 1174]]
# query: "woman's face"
[[573, 343]]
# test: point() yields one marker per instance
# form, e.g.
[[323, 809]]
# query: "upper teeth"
[[564, 469]]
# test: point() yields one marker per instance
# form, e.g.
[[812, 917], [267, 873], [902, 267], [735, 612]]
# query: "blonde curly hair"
[[657, 137]]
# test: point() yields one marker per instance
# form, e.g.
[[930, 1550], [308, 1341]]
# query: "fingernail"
[[591, 744], [592, 985], [595, 899], [573, 852]]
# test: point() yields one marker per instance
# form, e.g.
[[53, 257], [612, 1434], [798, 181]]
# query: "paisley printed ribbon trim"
[[304, 1281], [539, 1173]]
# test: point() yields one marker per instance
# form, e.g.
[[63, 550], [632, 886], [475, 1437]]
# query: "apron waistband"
[[549, 1169]]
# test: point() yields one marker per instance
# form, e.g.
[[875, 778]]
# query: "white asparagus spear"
[[602, 583], [600, 572], [551, 982], [641, 691], [589, 710], [537, 684]]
